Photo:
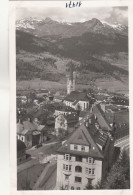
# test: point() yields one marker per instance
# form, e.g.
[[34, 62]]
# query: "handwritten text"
[[73, 4]]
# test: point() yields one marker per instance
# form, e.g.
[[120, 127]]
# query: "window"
[[67, 157], [70, 167], [78, 169], [93, 160], [79, 158], [78, 179], [66, 177], [93, 171], [90, 160], [86, 159], [72, 188], [83, 148], [75, 147], [67, 167], [78, 188], [89, 171]]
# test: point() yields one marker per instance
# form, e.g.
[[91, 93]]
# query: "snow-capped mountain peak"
[[45, 26], [115, 26]]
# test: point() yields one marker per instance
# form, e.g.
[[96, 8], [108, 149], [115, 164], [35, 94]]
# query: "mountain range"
[[93, 46], [43, 27]]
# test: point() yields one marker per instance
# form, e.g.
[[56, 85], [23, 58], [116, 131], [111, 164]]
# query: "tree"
[[119, 176]]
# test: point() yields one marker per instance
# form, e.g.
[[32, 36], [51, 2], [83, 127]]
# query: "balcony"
[[67, 172]]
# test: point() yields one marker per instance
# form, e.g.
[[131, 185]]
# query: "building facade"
[[31, 134], [65, 124], [77, 100], [84, 158]]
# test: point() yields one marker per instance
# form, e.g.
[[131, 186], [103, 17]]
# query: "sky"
[[112, 15]]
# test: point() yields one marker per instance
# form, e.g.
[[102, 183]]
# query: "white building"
[[65, 123], [84, 158], [77, 100]]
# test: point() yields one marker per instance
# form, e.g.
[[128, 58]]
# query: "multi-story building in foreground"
[[85, 157]]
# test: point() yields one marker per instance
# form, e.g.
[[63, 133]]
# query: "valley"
[[98, 53]]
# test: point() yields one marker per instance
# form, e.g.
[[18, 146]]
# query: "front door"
[[35, 139]]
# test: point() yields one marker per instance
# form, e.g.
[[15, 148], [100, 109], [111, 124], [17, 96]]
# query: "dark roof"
[[75, 102], [44, 91], [29, 126], [66, 109], [76, 95], [119, 117], [71, 117], [20, 145], [103, 122], [83, 113], [86, 136]]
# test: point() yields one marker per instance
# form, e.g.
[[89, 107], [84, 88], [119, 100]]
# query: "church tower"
[[71, 81]]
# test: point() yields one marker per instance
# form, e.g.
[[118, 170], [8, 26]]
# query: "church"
[[75, 99]]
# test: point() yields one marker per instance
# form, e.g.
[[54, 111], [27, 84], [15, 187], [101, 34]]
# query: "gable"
[[79, 138], [82, 137]]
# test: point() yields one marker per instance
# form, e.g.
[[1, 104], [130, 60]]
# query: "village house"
[[64, 110], [85, 158], [65, 124], [30, 133]]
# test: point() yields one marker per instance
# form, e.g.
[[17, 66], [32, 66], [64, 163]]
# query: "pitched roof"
[[29, 126], [71, 117], [119, 117], [25, 131], [77, 95], [66, 109], [83, 113], [86, 136], [101, 117], [40, 127], [75, 102]]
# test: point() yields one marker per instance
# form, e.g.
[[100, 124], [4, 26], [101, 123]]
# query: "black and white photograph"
[[72, 97]]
